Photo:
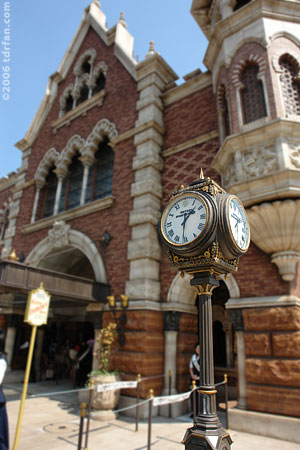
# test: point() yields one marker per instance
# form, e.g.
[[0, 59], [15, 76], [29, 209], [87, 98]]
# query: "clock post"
[[205, 231]]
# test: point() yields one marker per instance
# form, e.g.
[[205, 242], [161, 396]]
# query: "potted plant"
[[104, 349]]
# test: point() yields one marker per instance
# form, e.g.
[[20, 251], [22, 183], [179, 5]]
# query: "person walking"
[[194, 370], [4, 436]]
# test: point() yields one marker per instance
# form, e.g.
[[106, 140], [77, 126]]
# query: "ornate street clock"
[[188, 222], [203, 227]]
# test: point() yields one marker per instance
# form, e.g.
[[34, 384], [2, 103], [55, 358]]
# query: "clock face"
[[184, 219], [239, 225]]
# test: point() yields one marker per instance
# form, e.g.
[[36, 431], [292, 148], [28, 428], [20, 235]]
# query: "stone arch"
[[239, 67], [50, 158], [63, 99], [104, 128], [75, 239], [88, 55], [76, 142], [293, 55], [100, 67], [182, 293]]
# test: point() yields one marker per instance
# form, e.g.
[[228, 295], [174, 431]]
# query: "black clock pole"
[[207, 432]]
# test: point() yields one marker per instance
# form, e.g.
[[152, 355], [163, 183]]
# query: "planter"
[[105, 402]]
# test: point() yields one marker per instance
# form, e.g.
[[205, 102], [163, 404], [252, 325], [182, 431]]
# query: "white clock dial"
[[184, 219], [239, 224]]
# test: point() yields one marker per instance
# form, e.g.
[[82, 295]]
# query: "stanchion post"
[[226, 397], [194, 393], [170, 389], [137, 410], [91, 393], [150, 418], [82, 415], [25, 386]]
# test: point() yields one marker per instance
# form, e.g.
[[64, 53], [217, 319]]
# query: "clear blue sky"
[[40, 32]]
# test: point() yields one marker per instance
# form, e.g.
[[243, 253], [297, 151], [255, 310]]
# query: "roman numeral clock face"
[[184, 219], [239, 226]]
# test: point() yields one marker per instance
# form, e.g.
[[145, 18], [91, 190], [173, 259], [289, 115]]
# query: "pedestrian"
[[4, 438], [194, 369]]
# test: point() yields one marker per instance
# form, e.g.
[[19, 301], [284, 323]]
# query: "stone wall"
[[272, 347]]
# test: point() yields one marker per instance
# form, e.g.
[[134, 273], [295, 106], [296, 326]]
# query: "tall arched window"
[[290, 85], [71, 187], [69, 104], [49, 193], [101, 173], [252, 94], [84, 94]]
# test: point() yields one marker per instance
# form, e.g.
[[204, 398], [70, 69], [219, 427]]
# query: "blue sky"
[[40, 32]]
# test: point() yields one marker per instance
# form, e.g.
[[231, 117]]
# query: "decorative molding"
[[81, 81], [80, 110], [262, 302], [104, 128], [63, 99], [84, 210], [58, 236], [101, 67]]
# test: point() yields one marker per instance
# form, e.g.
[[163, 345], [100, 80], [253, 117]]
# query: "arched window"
[[71, 186], [101, 173], [49, 193], [100, 83], [84, 94], [69, 104], [252, 94], [290, 85], [86, 66]]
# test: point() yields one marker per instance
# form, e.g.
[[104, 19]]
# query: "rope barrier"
[[58, 392], [154, 376], [125, 408]]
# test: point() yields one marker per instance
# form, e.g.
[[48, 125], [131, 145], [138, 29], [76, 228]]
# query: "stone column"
[[171, 328], [87, 162], [38, 188], [236, 316], [153, 74], [10, 338], [60, 175]]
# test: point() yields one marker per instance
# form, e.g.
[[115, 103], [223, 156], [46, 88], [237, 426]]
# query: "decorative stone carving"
[[50, 159], [75, 143], [259, 161], [103, 128], [295, 154], [275, 228], [59, 235], [89, 55], [171, 320]]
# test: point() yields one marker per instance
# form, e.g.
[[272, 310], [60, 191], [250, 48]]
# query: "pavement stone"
[[52, 423]]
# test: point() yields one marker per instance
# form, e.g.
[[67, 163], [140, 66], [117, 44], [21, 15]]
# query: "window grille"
[[290, 86], [252, 95]]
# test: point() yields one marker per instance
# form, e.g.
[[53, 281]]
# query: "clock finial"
[[201, 174]]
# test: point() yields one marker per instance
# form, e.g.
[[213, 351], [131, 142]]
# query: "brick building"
[[110, 141]]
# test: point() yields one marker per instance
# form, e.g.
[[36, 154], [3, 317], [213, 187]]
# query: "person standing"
[[4, 437], [194, 369]]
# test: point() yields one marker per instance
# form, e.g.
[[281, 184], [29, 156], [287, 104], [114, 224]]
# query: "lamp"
[[120, 321]]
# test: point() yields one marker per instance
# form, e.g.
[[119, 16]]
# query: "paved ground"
[[52, 423]]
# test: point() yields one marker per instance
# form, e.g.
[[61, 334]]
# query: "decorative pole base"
[[196, 439]]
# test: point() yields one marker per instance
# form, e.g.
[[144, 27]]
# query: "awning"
[[21, 278]]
